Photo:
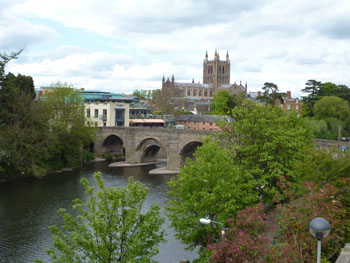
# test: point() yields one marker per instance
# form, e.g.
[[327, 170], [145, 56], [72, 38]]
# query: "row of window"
[[199, 93], [221, 69], [88, 113]]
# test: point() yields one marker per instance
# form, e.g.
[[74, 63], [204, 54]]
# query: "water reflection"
[[29, 206]]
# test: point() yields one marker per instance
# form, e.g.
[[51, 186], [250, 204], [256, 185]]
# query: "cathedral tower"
[[216, 72]]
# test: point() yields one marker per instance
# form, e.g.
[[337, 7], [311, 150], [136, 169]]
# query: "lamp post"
[[207, 221], [319, 228]]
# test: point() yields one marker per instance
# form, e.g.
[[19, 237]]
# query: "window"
[[188, 93], [96, 113], [104, 114], [203, 122], [211, 124], [296, 107], [88, 113], [200, 93], [288, 106], [194, 92], [205, 93], [104, 124]]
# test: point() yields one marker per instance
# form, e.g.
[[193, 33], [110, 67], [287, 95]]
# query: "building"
[[200, 122], [147, 123], [289, 103], [105, 109], [186, 96]]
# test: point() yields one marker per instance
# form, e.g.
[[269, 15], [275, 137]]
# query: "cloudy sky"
[[123, 45]]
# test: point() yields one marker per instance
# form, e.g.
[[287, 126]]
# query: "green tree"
[[24, 131], [312, 88], [109, 227], [271, 94], [4, 59], [25, 83], [239, 167], [223, 103], [212, 185], [65, 107], [266, 142], [335, 112], [332, 107]]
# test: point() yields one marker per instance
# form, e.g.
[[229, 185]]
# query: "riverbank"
[[49, 173]]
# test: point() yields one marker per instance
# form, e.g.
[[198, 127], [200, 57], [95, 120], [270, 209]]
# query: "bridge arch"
[[148, 150], [188, 151], [113, 144]]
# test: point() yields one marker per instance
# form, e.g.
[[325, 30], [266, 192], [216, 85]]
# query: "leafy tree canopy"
[[332, 107], [212, 185], [109, 227], [239, 167], [271, 94], [266, 142], [223, 103]]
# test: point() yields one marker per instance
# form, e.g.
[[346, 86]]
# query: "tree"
[[335, 111], [109, 227], [313, 88], [212, 185], [4, 59], [65, 107], [22, 82], [266, 142], [24, 131], [271, 95], [223, 103], [332, 107]]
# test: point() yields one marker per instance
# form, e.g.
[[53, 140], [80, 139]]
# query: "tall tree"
[[65, 107], [312, 88], [213, 185], [4, 59], [271, 95], [109, 227]]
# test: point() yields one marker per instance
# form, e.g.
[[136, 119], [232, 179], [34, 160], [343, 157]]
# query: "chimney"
[[288, 95], [259, 93]]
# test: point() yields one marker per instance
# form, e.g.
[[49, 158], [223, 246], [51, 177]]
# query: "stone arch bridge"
[[142, 145]]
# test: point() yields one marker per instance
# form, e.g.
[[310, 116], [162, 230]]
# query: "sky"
[[126, 45]]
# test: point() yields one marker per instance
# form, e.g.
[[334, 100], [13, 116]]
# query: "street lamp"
[[319, 228], [207, 221]]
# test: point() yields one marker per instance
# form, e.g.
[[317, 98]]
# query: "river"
[[29, 206]]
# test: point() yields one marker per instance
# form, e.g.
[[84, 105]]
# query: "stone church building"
[[195, 96]]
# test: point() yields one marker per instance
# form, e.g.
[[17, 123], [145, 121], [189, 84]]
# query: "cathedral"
[[197, 97]]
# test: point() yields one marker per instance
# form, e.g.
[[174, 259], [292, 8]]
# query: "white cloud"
[[286, 42]]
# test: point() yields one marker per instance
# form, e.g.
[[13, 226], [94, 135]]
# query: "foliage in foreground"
[[213, 186], [284, 235], [267, 143], [240, 167], [109, 227]]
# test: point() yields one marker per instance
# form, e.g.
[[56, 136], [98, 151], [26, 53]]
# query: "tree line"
[[37, 137]]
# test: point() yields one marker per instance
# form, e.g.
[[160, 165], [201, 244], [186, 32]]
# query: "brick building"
[[199, 122]]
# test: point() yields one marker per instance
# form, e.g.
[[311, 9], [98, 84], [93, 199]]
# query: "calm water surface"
[[29, 206]]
